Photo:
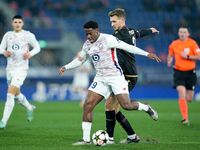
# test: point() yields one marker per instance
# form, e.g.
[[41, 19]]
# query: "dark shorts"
[[131, 82], [185, 78]]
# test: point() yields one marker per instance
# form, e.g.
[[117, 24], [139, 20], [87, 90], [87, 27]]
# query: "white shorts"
[[16, 78], [106, 85]]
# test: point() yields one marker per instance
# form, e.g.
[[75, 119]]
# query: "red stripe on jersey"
[[112, 53]]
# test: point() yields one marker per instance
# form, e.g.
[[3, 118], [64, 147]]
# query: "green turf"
[[58, 124]]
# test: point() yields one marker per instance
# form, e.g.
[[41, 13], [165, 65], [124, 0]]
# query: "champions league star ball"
[[100, 138]]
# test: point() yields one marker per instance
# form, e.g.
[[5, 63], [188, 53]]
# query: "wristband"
[[188, 57]]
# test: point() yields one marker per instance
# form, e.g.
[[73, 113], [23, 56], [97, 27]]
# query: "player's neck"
[[18, 31], [183, 40]]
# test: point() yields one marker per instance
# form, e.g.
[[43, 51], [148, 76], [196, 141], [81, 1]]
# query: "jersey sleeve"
[[113, 42], [143, 32], [196, 48], [34, 43], [3, 44]]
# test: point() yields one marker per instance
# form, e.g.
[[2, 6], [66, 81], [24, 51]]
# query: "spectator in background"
[[81, 80], [186, 51], [168, 26], [151, 5]]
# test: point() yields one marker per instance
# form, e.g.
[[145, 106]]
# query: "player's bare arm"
[[195, 57], [7, 53], [169, 60], [154, 57], [154, 30], [61, 70]]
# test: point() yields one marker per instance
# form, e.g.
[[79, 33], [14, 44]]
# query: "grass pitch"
[[58, 124]]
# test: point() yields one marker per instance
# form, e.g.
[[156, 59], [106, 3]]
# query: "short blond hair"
[[119, 12]]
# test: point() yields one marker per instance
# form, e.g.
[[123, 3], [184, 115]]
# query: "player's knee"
[[109, 106], [190, 100], [126, 106]]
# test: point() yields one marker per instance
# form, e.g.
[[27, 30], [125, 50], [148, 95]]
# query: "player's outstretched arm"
[[61, 70], [154, 57], [154, 30]]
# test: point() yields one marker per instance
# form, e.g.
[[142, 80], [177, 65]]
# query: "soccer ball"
[[100, 138]]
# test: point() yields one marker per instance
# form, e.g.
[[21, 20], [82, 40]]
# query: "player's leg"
[[91, 101], [190, 95], [120, 88], [9, 105], [182, 102], [110, 104], [21, 99], [97, 91]]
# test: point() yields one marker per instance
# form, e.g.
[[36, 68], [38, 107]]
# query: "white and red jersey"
[[18, 45], [103, 55]]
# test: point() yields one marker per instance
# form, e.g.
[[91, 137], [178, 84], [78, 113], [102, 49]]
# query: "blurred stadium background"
[[57, 25]]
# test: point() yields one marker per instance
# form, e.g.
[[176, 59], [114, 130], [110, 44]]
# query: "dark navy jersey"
[[127, 60]]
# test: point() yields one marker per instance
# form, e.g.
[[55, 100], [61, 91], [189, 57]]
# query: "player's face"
[[92, 34], [17, 25], [183, 34], [117, 23]]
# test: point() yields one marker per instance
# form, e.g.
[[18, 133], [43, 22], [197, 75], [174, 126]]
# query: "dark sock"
[[110, 122], [124, 123]]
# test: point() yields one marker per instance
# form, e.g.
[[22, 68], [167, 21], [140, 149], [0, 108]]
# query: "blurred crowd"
[[48, 10]]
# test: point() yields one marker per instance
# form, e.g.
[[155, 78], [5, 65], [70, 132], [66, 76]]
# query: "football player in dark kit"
[[127, 63]]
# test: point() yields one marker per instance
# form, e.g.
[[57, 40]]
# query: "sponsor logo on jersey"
[[15, 47], [95, 57]]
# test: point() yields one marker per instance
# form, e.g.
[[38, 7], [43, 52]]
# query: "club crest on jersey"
[[15, 47], [95, 57], [187, 50], [100, 46]]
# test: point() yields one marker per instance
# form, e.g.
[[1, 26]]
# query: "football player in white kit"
[[15, 46], [109, 75]]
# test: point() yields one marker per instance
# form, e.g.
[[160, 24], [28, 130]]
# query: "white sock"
[[143, 107], [9, 105], [111, 138], [23, 101], [132, 136], [86, 126]]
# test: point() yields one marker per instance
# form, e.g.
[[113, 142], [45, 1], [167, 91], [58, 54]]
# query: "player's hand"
[[154, 30], [7, 53], [27, 55], [61, 70], [183, 55], [154, 57], [79, 56]]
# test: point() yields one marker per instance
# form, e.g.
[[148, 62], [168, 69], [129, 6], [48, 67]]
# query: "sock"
[[23, 101], [86, 126], [9, 105], [184, 108], [143, 107], [124, 123], [110, 123]]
